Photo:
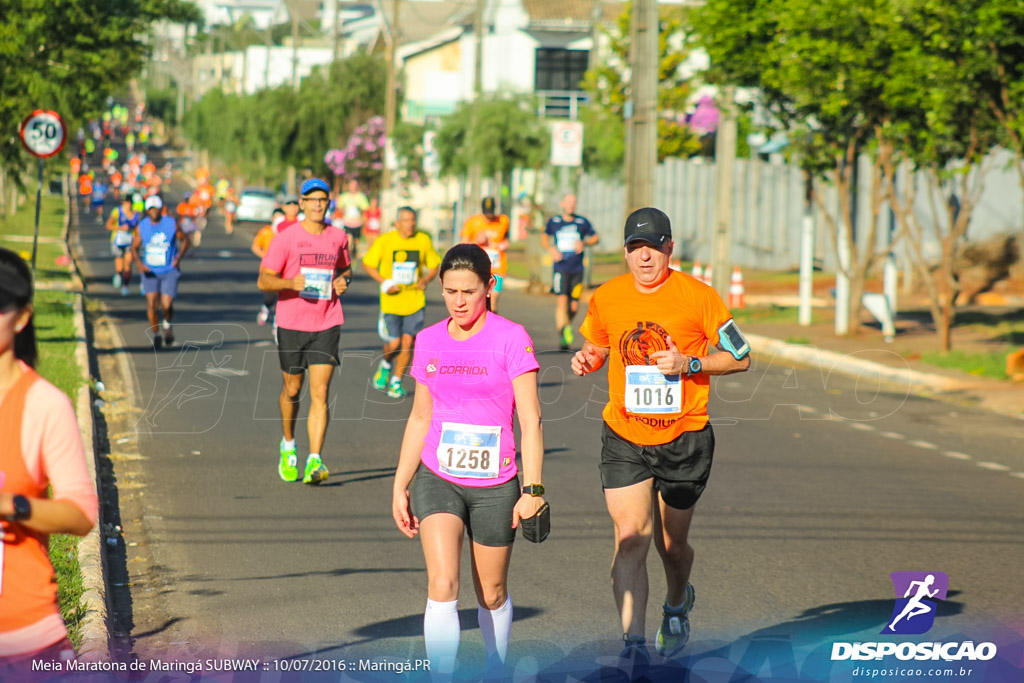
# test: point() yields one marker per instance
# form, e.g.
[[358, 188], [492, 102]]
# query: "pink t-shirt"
[[470, 441], [320, 258]]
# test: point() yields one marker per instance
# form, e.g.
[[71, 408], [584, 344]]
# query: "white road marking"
[[892, 435], [1019, 475], [956, 455], [862, 427], [994, 466], [923, 444]]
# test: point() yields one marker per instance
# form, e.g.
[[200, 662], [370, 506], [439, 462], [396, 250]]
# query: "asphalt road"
[[822, 487]]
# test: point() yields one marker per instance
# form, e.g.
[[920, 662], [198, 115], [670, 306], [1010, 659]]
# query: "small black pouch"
[[537, 528]]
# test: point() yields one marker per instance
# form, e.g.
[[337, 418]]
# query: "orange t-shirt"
[[76, 165], [263, 238], [489, 234], [635, 324]]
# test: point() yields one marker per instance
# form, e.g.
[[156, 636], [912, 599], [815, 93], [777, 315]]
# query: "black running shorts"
[[298, 350], [567, 284], [486, 511], [680, 468]]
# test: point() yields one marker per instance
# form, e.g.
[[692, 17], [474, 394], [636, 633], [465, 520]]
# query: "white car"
[[256, 204]]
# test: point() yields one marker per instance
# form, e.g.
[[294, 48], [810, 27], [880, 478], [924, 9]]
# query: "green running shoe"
[[316, 473], [395, 389], [288, 468], [675, 628], [566, 337], [380, 379]]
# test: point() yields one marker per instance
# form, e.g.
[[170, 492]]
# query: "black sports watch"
[[348, 280], [22, 509], [534, 490], [694, 367]]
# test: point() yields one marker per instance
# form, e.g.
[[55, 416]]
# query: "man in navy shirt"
[[564, 237]]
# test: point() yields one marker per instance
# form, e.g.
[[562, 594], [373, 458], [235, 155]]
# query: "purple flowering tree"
[[362, 157]]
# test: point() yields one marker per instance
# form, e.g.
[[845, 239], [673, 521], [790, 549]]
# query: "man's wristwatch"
[[694, 367], [533, 490], [22, 509], [348, 280]]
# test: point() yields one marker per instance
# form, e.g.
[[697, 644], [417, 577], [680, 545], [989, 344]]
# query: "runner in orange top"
[[44, 486], [490, 230], [76, 165], [149, 169], [657, 326]]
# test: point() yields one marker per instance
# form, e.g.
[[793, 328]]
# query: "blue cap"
[[314, 184]]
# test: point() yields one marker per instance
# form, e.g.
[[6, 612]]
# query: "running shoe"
[[117, 279], [263, 316], [635, 659], [288, 468], [566, 338], [675, 628], [158, 342], [395, 389], [380, 379], [125, 291], [315, 471], [168, 333]]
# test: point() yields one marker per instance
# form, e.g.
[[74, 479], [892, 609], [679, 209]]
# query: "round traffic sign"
[[43, 133]]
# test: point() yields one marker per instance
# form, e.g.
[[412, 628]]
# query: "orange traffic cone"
[[676, 264], [736, 289], [707, 275], [697, 271]]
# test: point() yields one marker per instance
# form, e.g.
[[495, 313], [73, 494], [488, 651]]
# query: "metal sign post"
[[43, 134]]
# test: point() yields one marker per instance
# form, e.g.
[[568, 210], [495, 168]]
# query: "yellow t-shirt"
[[633, 325], [404, 261]]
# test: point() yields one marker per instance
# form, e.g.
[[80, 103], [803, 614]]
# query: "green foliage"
[[991, 364], [260, 135], [500, 134], [162, 103], [68, 55], [607, 86]]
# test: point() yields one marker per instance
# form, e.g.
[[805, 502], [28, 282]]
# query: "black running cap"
[[648, 225]]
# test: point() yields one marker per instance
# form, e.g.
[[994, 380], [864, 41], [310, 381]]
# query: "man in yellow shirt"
[[490, 230], [403, 261]]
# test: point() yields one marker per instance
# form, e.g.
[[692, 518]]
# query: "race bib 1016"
[[648, 392]]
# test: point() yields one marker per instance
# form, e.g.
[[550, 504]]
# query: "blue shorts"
[[399, 325], [164, 283], [499, 280]]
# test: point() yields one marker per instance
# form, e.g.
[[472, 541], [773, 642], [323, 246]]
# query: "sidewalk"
[[770, 321]]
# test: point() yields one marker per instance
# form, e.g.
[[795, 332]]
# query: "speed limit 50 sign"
[[43, 133]]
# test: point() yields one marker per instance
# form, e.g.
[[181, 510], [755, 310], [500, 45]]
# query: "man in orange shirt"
[[490, 230], [657, 326]]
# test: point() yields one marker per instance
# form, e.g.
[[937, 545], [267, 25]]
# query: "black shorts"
[[354, 233], [680, 468], [298, 350], [567, 284], [486, 511]]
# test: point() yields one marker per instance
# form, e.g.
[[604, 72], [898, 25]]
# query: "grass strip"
[[55, 332]]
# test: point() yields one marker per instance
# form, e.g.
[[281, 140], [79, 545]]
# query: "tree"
[[821, 69], [607, 86], [500, 134], [69, 55], [945, 128]]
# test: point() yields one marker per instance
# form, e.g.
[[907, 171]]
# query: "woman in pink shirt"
[[457, 470], [42, 449]]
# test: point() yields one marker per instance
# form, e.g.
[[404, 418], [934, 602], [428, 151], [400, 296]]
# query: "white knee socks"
[[496, 628], [441, 632]]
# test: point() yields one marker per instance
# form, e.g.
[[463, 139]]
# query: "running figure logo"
[[637, 345], [914, 612]]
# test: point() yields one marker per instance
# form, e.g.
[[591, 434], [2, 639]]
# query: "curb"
[[91, 557], [848, 364]]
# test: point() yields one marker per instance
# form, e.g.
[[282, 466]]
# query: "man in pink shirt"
[[309, 267]]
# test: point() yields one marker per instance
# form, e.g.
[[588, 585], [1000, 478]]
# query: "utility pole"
[[295, 48], [642, 107], [266, 69], [478, 88], [390, 96], [725, 161], [331, 8]]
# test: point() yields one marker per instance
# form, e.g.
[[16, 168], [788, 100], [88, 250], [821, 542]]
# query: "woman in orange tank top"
[[42, 450]]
